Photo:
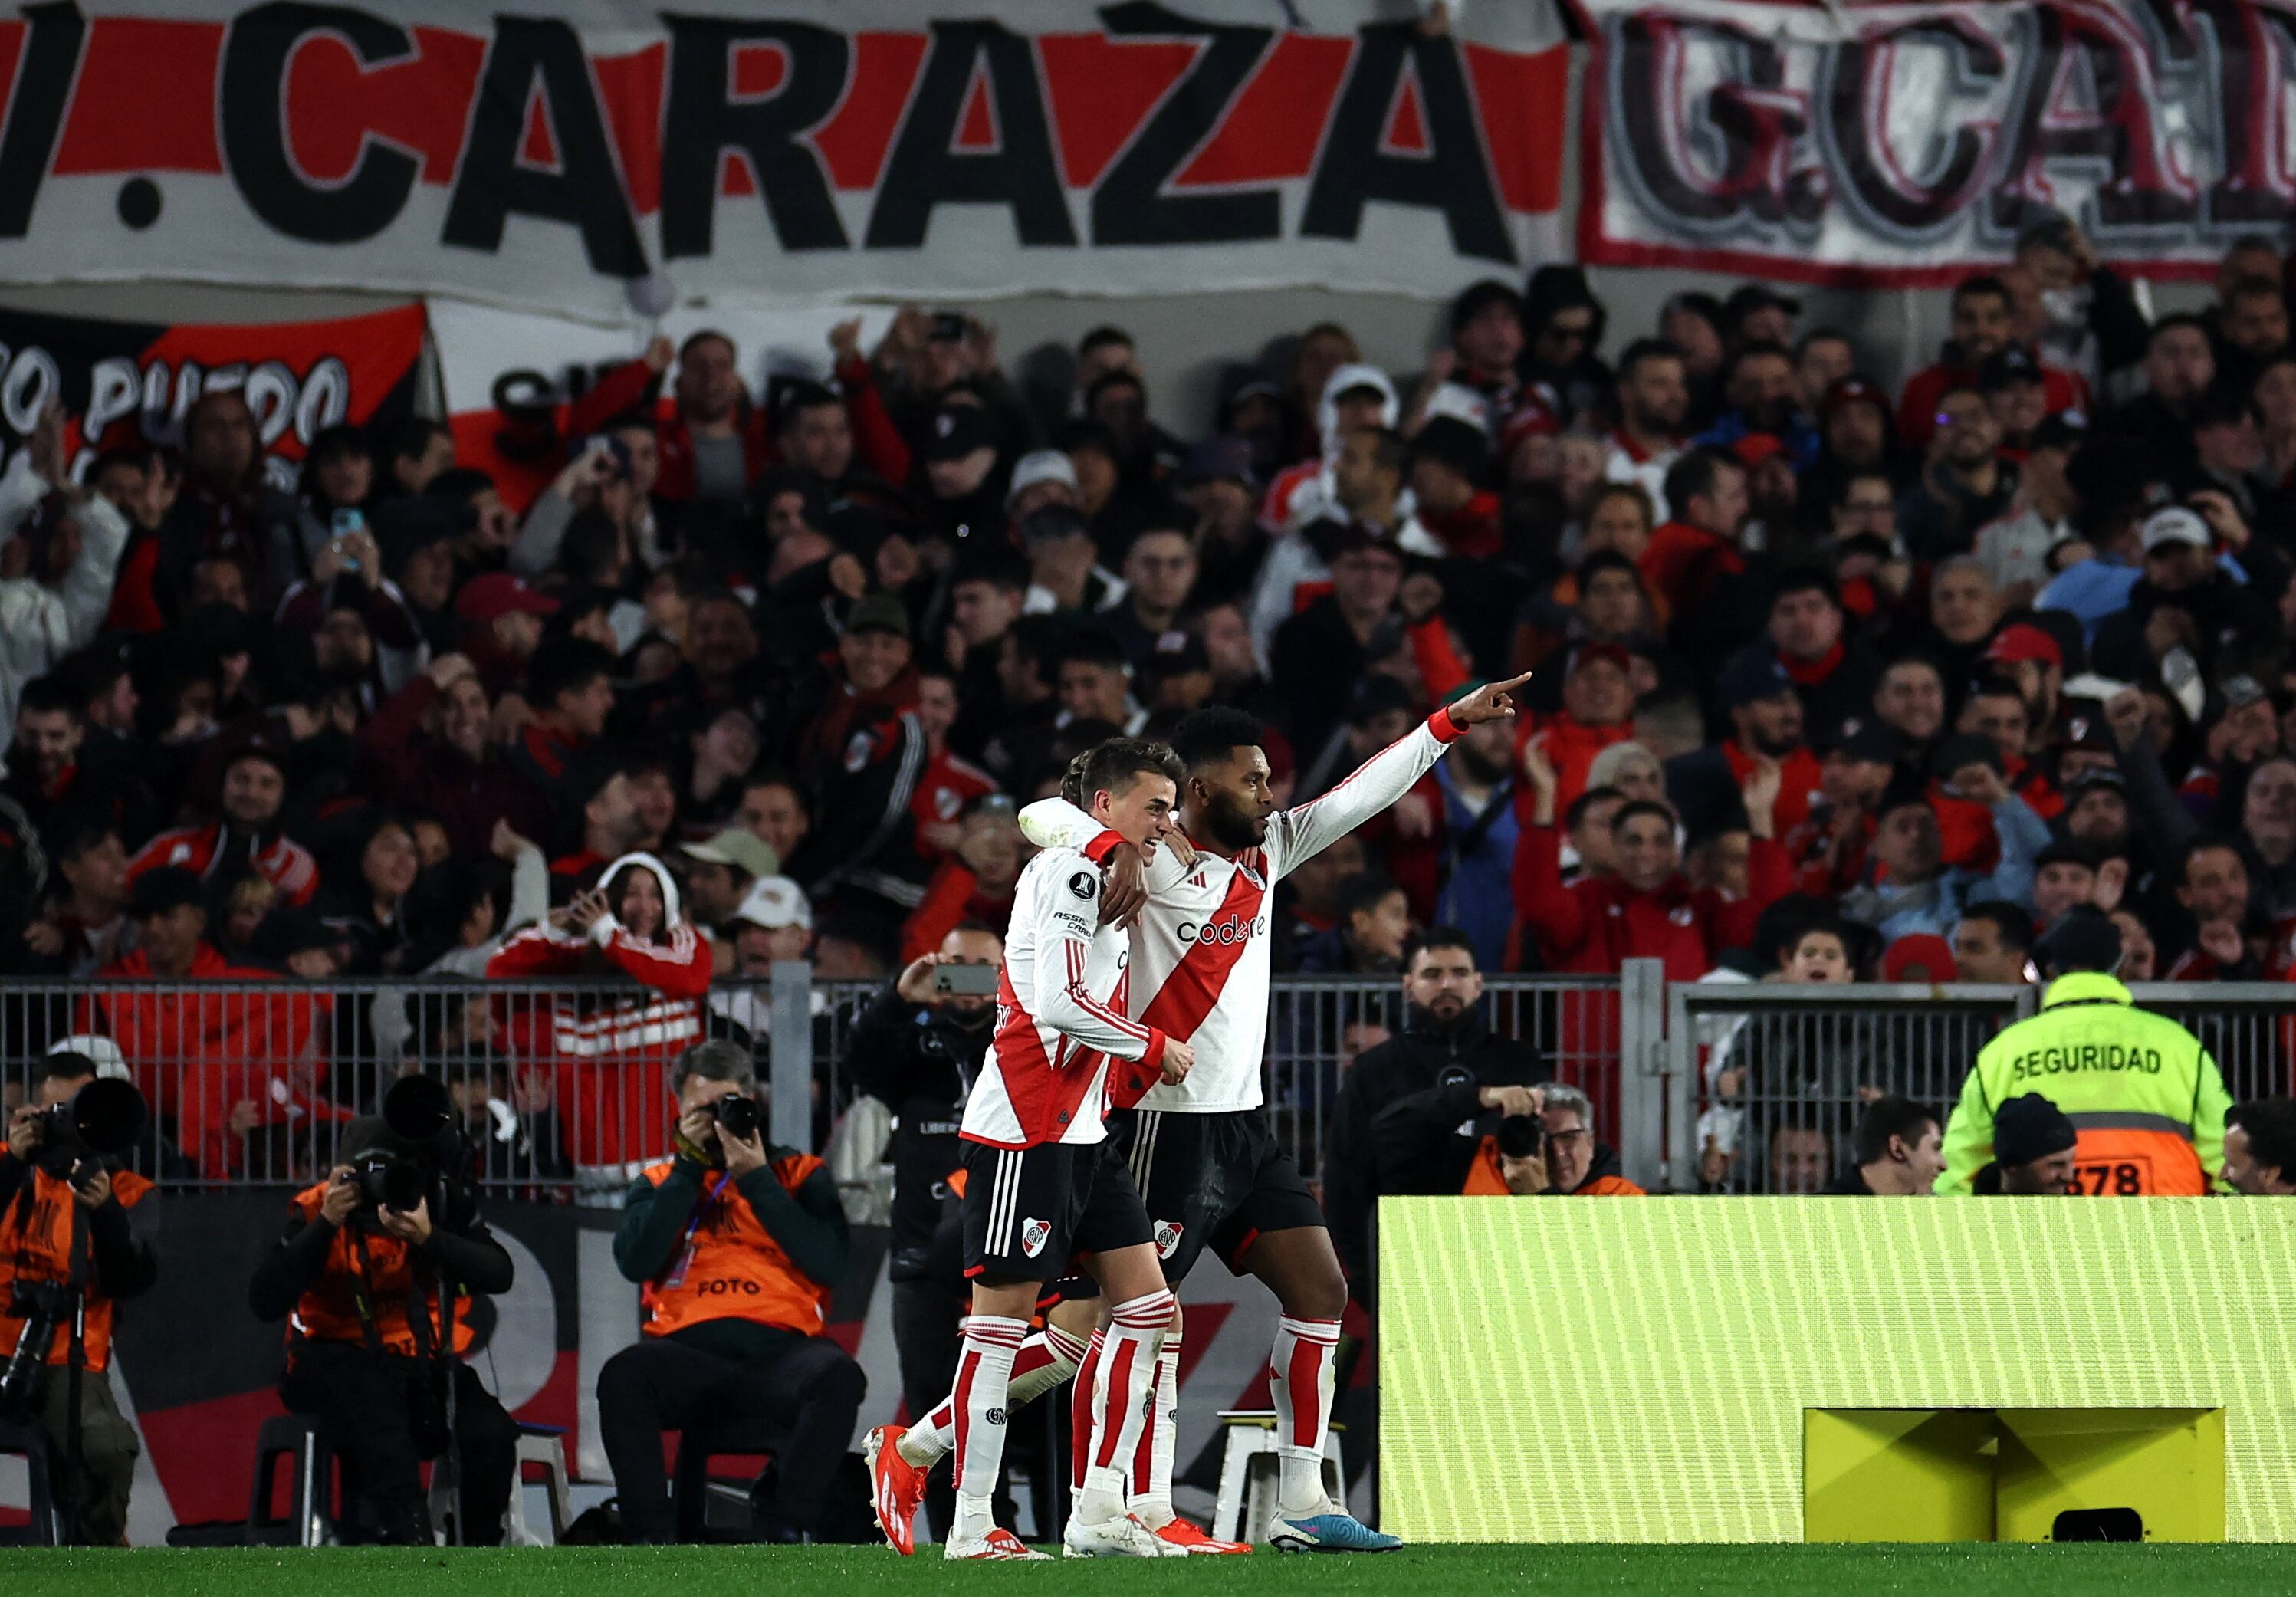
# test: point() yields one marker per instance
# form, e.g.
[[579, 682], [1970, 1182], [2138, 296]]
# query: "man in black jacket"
[[918, 1050], [1446, 1049]]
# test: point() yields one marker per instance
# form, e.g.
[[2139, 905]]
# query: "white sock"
[[983, 1371], [1300, 1378], [1152, 1469], [1045, 1360], [1123, 1390]]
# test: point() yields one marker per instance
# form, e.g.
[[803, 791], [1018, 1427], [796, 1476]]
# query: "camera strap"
[[674, 1276]]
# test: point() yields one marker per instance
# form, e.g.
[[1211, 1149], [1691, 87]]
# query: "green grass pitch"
[[1567, 1571]]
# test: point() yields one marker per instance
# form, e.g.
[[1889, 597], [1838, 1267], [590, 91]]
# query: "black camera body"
[[739, 1115], [387, 1180], [1521, 1136], [424, 1161], [103, 1121]]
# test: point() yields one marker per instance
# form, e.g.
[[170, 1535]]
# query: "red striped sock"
[[1299, 1379]]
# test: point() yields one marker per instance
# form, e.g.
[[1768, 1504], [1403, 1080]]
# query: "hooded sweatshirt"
[[1295, 573], [609, 1048]]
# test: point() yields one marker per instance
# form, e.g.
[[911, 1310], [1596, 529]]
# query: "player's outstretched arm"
[[1301, 833]]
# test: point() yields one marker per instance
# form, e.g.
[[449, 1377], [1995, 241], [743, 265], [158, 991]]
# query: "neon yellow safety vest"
[[2145, 1097]]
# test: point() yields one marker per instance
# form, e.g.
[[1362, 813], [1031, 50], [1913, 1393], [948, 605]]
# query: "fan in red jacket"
[[219, 1049], [1646, 910], [611, 1051], [711, 403]]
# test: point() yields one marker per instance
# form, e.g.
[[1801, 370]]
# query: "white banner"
[[600, 157], [1910, 143]]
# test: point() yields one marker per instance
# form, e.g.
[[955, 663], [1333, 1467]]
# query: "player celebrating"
[[1043, 1186], [1200, 1150]]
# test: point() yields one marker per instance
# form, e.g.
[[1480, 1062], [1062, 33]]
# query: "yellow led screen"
[[1637, 1370]]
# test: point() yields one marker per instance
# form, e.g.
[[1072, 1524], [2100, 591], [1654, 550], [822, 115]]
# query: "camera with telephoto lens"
[[101, 1121], [417, 1111], [44, 1306], [738, 1116], [1521, 1136]]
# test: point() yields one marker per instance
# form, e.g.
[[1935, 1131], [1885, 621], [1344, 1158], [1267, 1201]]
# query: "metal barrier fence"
[[1771, 1077], [564, 1085], [1317, 1025]]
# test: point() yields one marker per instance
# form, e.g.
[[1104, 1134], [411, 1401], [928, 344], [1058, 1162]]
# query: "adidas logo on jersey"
[[1168, 1238], [1033, 1236]]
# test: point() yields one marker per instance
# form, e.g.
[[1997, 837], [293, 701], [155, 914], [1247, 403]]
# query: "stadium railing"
[[1771, 1079], [564, 1082]]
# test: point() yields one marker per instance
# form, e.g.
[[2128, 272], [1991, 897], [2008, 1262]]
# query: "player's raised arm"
[[1297, 834]]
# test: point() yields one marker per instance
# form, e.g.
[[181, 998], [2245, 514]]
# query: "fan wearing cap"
[[2145, 1098], [1765, 720], [958, 459], [2184, 597], [247, 834], [1983, 323], [2035, 1152], [861, 756], [501, 625], [1354, 397], [719, 875]]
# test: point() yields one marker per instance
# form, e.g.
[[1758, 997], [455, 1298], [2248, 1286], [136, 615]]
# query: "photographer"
[[1524, 1142], [66, 1223], [736, 1246], [917, 1050], [1446, 1050], [369, 1289]]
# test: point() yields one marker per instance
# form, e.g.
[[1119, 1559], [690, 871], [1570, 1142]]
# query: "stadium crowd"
[[1983, 679], [1831, 682]]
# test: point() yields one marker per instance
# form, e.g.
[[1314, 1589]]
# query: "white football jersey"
[[1200, 958]]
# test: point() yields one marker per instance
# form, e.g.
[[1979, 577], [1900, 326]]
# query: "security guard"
[[2144, 1094]]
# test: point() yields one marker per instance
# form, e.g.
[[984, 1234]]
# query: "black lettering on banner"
[[1130, 206], [1856, 77], [703, 122], [1453, 176], [47, 67], [2142, 188], [254, 127], [925, 169], [531, 55]]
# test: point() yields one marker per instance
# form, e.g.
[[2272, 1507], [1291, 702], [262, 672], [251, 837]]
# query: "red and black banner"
[[554, 161], [119, 381]]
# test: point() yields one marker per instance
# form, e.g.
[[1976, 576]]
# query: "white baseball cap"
[[1039, 466], [2176, 525], [774, 903]]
